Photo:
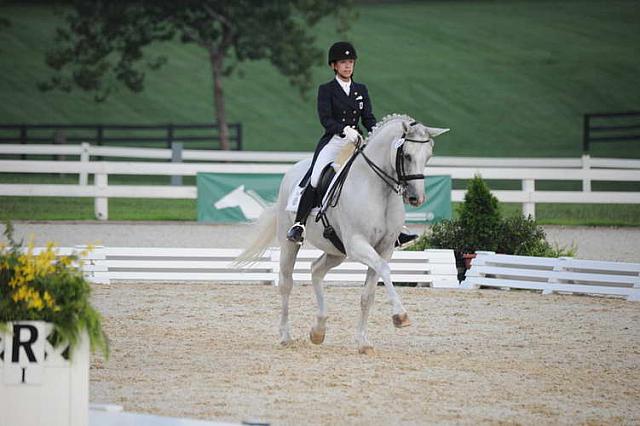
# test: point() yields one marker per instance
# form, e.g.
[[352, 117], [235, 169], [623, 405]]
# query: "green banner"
[[233, 197]]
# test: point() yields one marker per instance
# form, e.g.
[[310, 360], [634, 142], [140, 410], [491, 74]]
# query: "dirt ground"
[[211, 352]]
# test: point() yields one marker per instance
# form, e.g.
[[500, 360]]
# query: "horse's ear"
[[435, 131], [405, 126]]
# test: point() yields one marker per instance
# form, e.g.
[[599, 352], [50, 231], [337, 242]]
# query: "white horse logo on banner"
[[250, 203]]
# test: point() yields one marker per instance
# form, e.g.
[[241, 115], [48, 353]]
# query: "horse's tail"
[[266, 232]]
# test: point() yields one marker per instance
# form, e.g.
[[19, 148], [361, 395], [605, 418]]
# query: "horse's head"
[[410, 154]]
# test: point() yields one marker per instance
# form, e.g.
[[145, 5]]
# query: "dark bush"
[[480, 226], [479, 218]]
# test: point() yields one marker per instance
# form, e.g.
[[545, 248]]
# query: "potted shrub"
[[480, 226], [47, 328], [479, 219]]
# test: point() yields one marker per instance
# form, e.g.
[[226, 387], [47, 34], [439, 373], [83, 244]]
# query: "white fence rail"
[[553, 275], [435, 268], [525, 170]]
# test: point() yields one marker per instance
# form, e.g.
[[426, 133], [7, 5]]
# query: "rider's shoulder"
[[328, 85], [360, 86]]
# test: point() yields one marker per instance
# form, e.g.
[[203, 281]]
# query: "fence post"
[[586, 169], [529, 207], [169, 135], [176, 157], [239, 136], [99, 136], [101, 206], [585, 133], [59, 138], [84, 159], [23, 139]]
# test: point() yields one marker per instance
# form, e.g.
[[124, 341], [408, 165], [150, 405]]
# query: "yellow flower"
[[48, 299], [30, 296], [65, 260], [35, 302]]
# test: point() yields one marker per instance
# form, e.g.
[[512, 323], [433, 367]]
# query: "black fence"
[[610, 127], [192, 136]]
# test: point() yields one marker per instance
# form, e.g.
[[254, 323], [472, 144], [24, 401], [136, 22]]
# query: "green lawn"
[[59, 208], [510, 78]]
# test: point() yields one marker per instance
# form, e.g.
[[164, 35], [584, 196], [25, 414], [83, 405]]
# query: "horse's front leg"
[[319, 269], [288, 253], [366, 301], [362, 251]]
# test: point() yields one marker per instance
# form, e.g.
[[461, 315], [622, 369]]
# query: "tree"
[[102, 43]]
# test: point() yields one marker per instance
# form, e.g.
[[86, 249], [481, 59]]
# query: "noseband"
[[399, 184]]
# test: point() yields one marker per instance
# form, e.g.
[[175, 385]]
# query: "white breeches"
[[327, 155]]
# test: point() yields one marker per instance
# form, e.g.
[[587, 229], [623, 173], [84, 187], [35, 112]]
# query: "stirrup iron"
[[296, 233]]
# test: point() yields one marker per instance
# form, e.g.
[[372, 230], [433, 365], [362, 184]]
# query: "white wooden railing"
[[525, 170], [103, 265], [554, 275]]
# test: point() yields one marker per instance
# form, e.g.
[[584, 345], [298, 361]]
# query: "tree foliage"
[[103, 43]]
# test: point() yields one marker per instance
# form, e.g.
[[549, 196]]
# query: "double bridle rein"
[[399, 184]]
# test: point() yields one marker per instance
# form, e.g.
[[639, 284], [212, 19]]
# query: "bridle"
[[399, 184]]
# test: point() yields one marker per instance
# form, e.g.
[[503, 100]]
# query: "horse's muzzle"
[[414, 200]]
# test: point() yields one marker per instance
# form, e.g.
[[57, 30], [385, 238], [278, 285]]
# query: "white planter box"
[[38, 386]]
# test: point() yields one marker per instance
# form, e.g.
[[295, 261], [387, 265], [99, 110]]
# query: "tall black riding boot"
[[307, 201]]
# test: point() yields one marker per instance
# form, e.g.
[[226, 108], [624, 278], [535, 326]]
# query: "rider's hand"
[[351, 135]]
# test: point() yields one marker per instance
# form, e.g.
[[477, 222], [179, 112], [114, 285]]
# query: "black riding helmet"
[[341, 50]]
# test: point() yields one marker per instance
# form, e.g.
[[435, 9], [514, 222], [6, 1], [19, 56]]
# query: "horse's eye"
[[407, 157]]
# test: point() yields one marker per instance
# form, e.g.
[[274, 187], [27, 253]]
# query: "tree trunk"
[[216, 57]]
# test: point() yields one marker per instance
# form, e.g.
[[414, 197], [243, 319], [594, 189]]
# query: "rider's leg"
[[307, 201], [326, 156]]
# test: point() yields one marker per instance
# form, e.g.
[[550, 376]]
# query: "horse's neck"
[[378, 149], [369, 196]]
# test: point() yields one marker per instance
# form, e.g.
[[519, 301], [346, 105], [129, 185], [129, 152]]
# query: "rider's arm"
[[368, 119], [325, 112]]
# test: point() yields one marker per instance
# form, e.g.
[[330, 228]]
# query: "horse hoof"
[[316, 337], [401, 320], [366, 350]]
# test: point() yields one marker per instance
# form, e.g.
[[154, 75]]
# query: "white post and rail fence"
[[527, 171]]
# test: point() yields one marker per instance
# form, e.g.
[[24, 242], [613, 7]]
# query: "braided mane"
[[385, 120]]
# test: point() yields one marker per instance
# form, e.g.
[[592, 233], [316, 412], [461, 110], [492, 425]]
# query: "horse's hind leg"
[[288, 253], [319, 269]]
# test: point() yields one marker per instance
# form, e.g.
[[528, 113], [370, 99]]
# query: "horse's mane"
[[386, 120]]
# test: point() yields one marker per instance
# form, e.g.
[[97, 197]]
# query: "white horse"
[[368, 218]]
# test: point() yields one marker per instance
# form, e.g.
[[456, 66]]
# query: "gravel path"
[[616, 244]]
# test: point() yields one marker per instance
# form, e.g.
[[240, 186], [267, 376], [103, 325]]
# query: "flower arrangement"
[[47, 287]]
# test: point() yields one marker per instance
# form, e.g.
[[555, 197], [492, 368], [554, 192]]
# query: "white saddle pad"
[[294, 197]]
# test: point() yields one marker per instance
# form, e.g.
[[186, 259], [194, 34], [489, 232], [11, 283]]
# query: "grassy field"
[[59, 208], [511, 78]]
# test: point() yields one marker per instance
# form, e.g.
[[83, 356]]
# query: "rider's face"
[[344, 68]]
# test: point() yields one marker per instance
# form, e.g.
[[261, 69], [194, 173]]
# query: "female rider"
[[342, 103]]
